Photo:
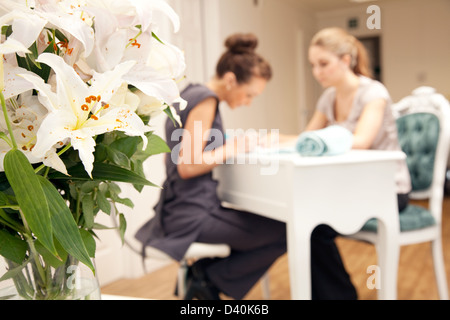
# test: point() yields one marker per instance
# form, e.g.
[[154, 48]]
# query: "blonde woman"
[[354, 100]]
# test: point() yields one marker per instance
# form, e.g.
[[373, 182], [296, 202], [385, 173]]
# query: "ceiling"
[[320, 5]]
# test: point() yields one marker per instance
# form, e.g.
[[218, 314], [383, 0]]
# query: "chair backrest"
[[423, 121]]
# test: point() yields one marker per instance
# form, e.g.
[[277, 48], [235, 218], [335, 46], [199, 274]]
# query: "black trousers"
[[257, 242], [330, 280]]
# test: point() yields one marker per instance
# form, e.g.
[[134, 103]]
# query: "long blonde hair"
[[340, 42]]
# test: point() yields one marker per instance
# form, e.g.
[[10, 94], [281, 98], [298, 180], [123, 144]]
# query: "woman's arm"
[[318, 121], [369, 124], [193, 160]]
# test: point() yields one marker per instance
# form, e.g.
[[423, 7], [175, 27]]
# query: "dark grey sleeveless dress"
[[190, 211]]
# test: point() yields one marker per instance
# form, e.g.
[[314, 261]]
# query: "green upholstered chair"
[[423, 121]]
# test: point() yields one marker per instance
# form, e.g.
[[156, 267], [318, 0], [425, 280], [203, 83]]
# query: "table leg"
[[388, 251], [299, 255]]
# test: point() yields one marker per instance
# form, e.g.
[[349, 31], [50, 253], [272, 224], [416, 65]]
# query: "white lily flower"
[[74, 25], [136, 12], [12, 46], [118, 40], [10, 84], [26, 118], [79, 112], [28, 24], [14, 84], [149, 106], [124, 97], [143, 7], [166, 59], [26, 27]]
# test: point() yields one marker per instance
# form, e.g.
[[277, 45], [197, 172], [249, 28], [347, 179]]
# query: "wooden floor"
[[415, 276]]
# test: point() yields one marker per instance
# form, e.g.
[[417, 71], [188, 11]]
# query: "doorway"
[[373, 47]]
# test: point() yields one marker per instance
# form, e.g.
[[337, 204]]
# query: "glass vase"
[[33, 280]]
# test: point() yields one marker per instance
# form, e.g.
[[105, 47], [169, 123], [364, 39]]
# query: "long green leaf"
[[49, 259], [65, 228], [156, 145], [30, 197], [89, 242], [103, 172], [12, 248], [14, 271]]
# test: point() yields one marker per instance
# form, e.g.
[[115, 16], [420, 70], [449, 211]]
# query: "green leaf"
[[14, 272], [60, 36], [12, 248], [89, 187], [88, 211], [169, 113], [118, 157], [89, 242], [125, 201], [49, 258], [138, 168], [156, 145], [100, 153], [103, 172], [5, 137], [103, 202], [33, 55], [64, 225], [3, 199], [99, 226], [127, 145], [122, 227], [30, 197], [7, 30], [156, 37]]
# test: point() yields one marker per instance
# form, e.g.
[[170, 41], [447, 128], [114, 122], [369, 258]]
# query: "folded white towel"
[[332, 140]]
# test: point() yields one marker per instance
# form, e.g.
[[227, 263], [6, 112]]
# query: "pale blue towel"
[[332, 140]]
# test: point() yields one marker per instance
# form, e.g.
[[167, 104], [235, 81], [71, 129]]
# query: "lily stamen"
[[133, 41]]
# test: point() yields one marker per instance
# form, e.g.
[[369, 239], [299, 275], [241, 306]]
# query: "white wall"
[[415, 42], [280, 26]]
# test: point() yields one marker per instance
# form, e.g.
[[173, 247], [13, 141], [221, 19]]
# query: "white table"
[[342, 191]]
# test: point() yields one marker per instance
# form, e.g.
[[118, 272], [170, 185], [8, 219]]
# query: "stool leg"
[[265, 286], [181, 279]]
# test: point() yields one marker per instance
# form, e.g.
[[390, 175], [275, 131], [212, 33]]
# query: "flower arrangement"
[[79, 82]]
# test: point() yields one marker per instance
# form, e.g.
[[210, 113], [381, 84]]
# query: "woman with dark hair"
[[189, 209]]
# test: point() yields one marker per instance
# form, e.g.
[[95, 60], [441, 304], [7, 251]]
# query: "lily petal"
[[106, 84], [142, 7], [86, 148], [73, 25], [118, 119], [152, 83], [71, 89], [26, 27], [15, 84], [56, 127], [11, 46]]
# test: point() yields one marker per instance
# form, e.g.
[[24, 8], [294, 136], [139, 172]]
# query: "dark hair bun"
[[241, 43]]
